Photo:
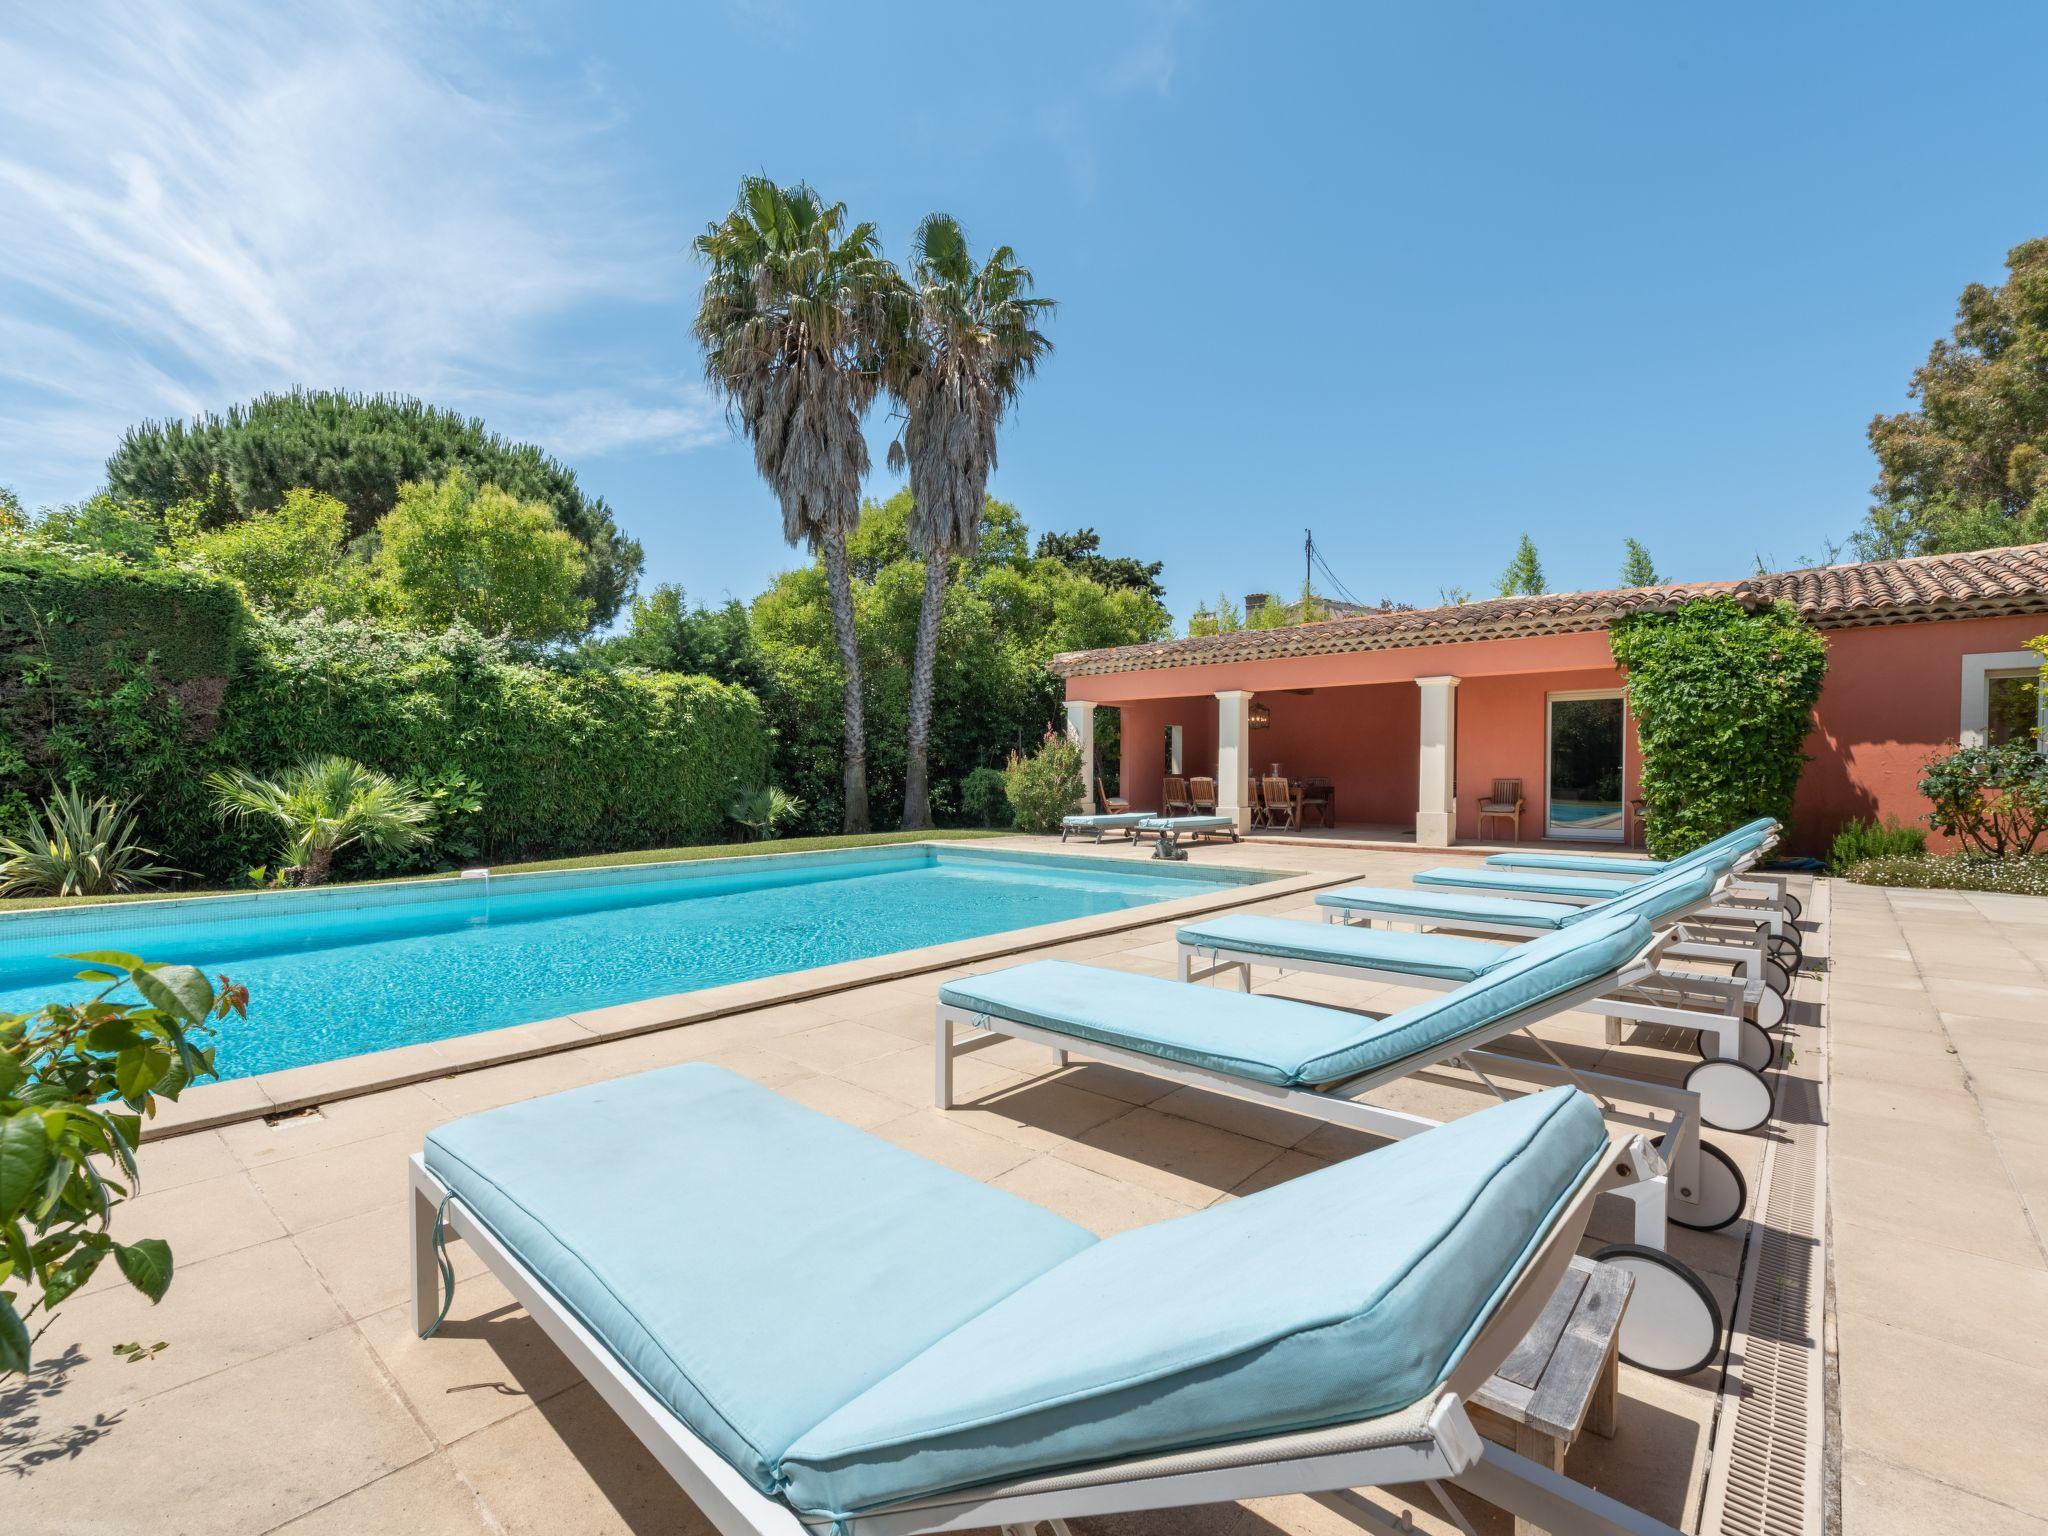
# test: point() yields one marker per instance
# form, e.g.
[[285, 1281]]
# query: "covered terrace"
[[1404, 723]]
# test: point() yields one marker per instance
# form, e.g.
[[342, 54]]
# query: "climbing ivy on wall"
[[1723, 698]]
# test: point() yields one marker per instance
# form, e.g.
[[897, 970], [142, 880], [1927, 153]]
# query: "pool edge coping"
[[209, 1106]]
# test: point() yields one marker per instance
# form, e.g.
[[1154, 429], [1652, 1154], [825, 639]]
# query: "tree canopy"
[[1967, 467], [360, 449], [452, 549], [1082, 550], [289, 559], [1524, 575], [1637, 568]]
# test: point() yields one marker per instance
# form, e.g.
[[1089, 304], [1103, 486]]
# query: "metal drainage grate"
[[1766, 1477]]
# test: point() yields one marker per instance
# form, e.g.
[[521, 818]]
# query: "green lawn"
[[584, 861]]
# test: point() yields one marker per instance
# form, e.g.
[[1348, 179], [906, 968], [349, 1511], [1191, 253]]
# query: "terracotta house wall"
[[1893, 699], [1503, 725]]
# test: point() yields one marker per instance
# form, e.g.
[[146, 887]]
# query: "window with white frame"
[[2002, 699]]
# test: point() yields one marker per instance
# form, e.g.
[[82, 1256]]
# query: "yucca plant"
[[83, 848], [322, 806]]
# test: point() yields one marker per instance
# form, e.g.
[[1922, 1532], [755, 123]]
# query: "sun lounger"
[[817, 1333], [1171, 830], [1322, 1062], [1101, 823], [1761, 835], [1745, 899], [1730, 1016], [1708, 1191]]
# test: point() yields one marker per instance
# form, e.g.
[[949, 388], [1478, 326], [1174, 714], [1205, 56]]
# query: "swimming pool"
[[339, 971]]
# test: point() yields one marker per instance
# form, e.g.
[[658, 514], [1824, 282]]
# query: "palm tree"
[[795, 317], [324, 805], [972, 342]]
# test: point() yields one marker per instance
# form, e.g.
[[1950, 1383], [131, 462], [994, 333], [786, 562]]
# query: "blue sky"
[[1420, 278]]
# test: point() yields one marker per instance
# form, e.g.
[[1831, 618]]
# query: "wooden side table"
[[1565, 1376]]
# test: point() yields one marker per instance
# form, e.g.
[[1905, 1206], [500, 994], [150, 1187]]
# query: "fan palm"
[[322, 806], [972, 341], [797, 311]]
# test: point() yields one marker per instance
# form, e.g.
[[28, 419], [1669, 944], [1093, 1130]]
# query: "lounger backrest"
[[1672, 893], [1347, 1293], [1601, 947], [1744, 836]]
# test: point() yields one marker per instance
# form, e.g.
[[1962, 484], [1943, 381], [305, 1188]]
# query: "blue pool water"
[[338, 972]]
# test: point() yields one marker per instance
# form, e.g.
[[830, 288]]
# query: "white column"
[[1081, 726], [1233, 756], [1436, 804]]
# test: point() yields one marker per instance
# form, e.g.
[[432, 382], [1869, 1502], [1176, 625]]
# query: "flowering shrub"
[[1955, 872], [1993, 799]]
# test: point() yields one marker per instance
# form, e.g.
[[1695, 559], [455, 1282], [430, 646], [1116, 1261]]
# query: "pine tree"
[[1524, 575], [1638, 569]]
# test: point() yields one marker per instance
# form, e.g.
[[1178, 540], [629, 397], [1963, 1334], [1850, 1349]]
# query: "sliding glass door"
[[1585, 767]]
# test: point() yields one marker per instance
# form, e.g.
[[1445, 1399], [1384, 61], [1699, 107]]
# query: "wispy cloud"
[[201, 202]]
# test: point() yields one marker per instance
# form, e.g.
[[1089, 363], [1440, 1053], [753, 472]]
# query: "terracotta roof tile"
[[1984, 583]]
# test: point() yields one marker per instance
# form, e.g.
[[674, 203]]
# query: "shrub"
[[1955, 872], [1723, 698], [984, 799], [1993, 799], [1860, 840], [85, 848], [1046, 786], [76, 1082]]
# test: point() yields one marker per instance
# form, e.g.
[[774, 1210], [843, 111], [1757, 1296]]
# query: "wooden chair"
[[1202, 795], [1254, 802], [1283, 806], [1173, 796], [1504, 804], [1106, 803]]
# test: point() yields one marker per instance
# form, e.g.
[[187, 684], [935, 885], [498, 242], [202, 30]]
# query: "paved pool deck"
[[294, 1395]]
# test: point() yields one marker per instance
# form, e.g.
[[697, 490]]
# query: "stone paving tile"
[[236, 1453], [1879, 1496], [429, 1495]]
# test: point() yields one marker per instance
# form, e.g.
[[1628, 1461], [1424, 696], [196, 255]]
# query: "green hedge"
[[135, 682], [564, 759], [1723, 698]]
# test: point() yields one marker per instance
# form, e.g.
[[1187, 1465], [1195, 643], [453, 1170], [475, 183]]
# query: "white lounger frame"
[[1433, 1444], [1343, 1103], [1126, 822]]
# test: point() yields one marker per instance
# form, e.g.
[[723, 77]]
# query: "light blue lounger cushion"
[[753, 1263], [1248, 1035], [1392, 901], [1274, 1039], [1109, 819], [1741, 840], [1186, 823], [1341, 1295], [1517, 882], [1395, 952], [1382, 949], [1685, 887]]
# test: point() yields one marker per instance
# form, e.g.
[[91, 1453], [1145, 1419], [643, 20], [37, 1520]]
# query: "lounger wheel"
[[1793, 906], [1733, 1096], [1758, 1049], [1673, 1324], [1777, 975], [1722, 1197], [1786, 949], [1770, 1010]]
